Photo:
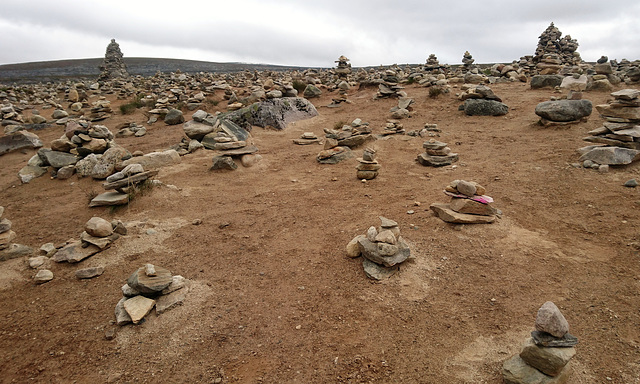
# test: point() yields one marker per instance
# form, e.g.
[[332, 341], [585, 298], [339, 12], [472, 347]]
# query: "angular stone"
[[626, 94], [109, 198], [471, 207], [444, 212], [466, 188], [234, 130], [387, 223], [386, 236], [627, 113], [376, 271], [564, 110], [171, 300], [122, 317], [131, 180], [437, 161], [434, 145], [223, 162], [38, 261], [127, 291], [354, 141], [517, 371], [98, 227], [100, 242], [196, 130], [546, 340], [177, 282], [29, 172], [276, 113], [150, 284], [334, 155], [65, 172], [75, 252], [6, 238], [541, 81], [89, 273], [353, 248], [5, 225], [550, 320], [14, 251], [174, 117], [547, 360], [19, 140], [371, 251], [43, 276], [368, 167], [372, 232], [138, 307], [611, 155], [59, 159]]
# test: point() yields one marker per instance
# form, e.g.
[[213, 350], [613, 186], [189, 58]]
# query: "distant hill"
[[44, 71]]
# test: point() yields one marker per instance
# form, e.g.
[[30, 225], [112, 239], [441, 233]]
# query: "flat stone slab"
[[144, 284], [437, 161], [379, 252], [109, 198], [14, 251], [611, 155], [171, 300], [89, 273], [249, 149], [19, 140], [376, 271], [546, 340], [75, 252], [548, 360], [444, 212], [517, 371], [138, 307], [129, 181]]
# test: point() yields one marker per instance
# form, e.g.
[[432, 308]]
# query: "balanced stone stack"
[[148, 287], [368, 166], [382, 248], [479, 100], [389, 86], [352, 135], [433, 65], [467, 61], [552, 42], [113, 65], [546, 355], [436, 154], [468, 205], [130, 129], [403, 109], [100, 110], [343, 70], [618, 140], [121, 185], [563, 112], [392, 127], [98, 235], [307, 138], [549, 64]]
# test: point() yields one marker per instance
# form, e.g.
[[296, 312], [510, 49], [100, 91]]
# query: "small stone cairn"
[[113, 64], [618, 140], [433, 65], [368, 166], [436, 154], [338, 144], [468, 205], [98, 235], [403, 109], [382, 248], [546, 355], [150, 286], [343, 71], [467, 62], [389, 86], [121, 185], [307, 138], [479, 100], [9, 249], [392, 127]]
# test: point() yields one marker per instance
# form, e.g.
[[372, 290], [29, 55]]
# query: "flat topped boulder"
[[275, 113], [444, 212], [611, 155], [19, 140], [564, 110], [484, 107], [144, 284], [626, 94]]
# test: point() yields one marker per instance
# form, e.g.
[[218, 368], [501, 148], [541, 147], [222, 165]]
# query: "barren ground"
[[275, 299]]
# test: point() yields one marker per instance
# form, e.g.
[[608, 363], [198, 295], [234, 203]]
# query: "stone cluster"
[[403, 109], [307, 138], [392, 127], [436, 154], [429, 130], [98, 235], [433, 65], [150, 286], [19, 140], [564, 111], [509, 72], [618, 140], [9, 249], [467, 61], [551, 42], [368, 166], [338, 143], [113, 65], [382, 248], [468, 205], [546, 355], [389, 85], [130, 129], [122, 185], [479, 100], [343, 70]]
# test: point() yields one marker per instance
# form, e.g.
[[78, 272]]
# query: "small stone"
[[386, 236], [127, 291], [466, 188], [171, 300], [122, 317], [89, 273], [444, 212], [517, 371], [43, 276], [149, 270], [177, 282], [38, 261], [138, 307], [353, 248], [150, 284], [387, 223], [603, 168], [550, 361], [119, 227], [5, 225], [631, 183], [372, 232], [550, 320]]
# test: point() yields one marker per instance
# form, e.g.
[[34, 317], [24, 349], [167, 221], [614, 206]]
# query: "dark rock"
[[542, 81], [223, 162], [75, 252], [564, 110], [57, 159], [173, 117], [376, 271], [481, 107], [632, 183], [19, 140], [234, 130], [275, 113]]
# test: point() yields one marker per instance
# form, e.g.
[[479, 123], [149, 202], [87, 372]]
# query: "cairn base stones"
[[468, 205]]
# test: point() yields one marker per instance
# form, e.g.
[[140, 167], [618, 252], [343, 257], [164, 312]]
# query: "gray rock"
[[354, 141], [444, 212], [5, 225], [43, 276], [564, 110], [466, 188], [334, 155], [89, 273], [387, 223], [155, 160], [547, 360], [373, 252], [66, 172], [482, 107], [111, 159], [517, 371], [171, 300], [311, 91], [546, 340], [57, 159], [127, 291], [626, 94], [611, 155], [275, 113], [109, 199], [199, 116], [471, 207], [542, 81], [196, 130], [100, 242], [38, 261], [632, 183], [14, 251], [98, 227], [85, 166], [223, 162], [174, 117], [122, 317], [437, 161], [6, 238], [550, 320], [75, 252], [144, 284], [376, 271]]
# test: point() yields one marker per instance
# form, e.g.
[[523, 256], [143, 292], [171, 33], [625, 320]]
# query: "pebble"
[[631, 183]]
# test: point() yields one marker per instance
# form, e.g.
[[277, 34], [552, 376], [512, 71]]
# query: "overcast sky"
[[313, 33]]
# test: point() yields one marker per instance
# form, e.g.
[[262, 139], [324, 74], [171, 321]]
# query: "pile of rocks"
[[508, 72], [479, 100], [382, 248], [343, 70], [619, 138], [122, 185], [130, 129], [467, 61], [429, 130], [9, 249], [433, 65], [436, 154], [10, 116], [307, 138], [98, 235], [113, 65], [353, 135], [468, 205], [368, 166], [403, 109], [552, 42], [392, 127], [389, 86], [150, 286], [546, 355], [564, 111], [100, 110], [549, 64]]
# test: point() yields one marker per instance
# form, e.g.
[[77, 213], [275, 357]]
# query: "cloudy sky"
[[313, 33]]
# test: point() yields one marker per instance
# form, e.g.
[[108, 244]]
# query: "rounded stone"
[[98, 227]]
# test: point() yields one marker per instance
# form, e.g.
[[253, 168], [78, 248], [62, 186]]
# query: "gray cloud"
[[312, 33]]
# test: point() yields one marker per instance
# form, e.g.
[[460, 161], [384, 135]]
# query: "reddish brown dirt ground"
[[275, 299]]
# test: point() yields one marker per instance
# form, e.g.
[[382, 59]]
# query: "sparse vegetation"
[[141, 189], [434, 92], [339, 124], [131, 106]]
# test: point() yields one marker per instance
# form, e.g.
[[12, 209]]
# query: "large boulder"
[[173, 117], [19, 140], [275, 113], [564, 110], [311, 91], [483, 107]]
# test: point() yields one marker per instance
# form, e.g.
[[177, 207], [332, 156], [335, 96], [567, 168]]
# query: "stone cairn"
[[9, 249], [433, 65], [338, 144], [403, 109], [343, 71], [123, 183], [546, 355], [307, 138], [392, 127], [618, 140], [382, 248], [389, 86], [98, 235], [368, 166], [436, 154], [150, 286], [552, 42], [467, 62], [468, 205], [113, 66], [429, 130], [479, 100]]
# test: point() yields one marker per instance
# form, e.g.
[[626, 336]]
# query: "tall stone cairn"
[[113, 64], [551, 41]]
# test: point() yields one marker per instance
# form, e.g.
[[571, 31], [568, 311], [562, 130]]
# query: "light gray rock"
[[122, 317], [38, 261], [89, 273], [127, 291], [444, 212], [6, 238], [466, 188], [372, 251], [58, 159], [611, 155], [171, 300], [626, 94], [196, 130], [75, 252], [14, 251], [100, 242], [109, 199], [43, 276], [5, 225], [564, 110], [311, 91], [140, 282], [155, 160], [547, 360], [98, 227], [550, 320], [275, 113], [66, 172], [28, 173], [517, 371]]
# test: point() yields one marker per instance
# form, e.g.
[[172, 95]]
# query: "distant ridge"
[[44, 71]]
